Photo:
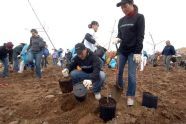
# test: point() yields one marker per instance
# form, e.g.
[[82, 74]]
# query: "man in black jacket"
[[168, 52], [130, 35], [90, 73], [5, 52]]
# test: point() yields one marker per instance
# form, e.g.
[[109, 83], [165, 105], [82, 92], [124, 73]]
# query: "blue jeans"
[[37, 57], [131, 73], [5, 64], [15, 62], [79, 76]]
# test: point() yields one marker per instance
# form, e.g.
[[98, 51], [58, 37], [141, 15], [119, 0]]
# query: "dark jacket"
[[36, 44], [68, 55], [168, 50], [131, 32], [91, 65], [89, 38], [4, 53], [17, 50]]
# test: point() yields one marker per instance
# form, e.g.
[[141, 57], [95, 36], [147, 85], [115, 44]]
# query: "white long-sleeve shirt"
[[87, 43]]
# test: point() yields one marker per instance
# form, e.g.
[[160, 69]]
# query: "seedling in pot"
[[107, 107], [66, 85]]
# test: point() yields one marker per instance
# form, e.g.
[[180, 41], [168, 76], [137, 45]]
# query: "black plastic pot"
[[80, 92], [173, 59], [107, 108], [149, 100], [66, 85]]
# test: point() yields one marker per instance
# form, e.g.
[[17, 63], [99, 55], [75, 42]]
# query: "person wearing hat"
[[5, 52], [36, 47], [90, 72], [89, 39], [16, 54], [131, 29]]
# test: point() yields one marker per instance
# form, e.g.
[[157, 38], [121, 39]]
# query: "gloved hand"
[[18, 56], [96, 44], [65, 72], [87, 84], [116, 40], [43, 56], [173, 55], [137, 58]]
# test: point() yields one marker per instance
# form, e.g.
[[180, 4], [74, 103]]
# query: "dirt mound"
[[26, 100], [182, 51]]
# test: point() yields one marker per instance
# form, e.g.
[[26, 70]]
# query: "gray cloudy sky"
[[66, 20]]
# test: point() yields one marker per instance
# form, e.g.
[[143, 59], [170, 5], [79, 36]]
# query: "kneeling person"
[[90, 73]]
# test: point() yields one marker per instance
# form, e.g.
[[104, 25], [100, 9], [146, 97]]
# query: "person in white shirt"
[[144, 58], [89, 39]]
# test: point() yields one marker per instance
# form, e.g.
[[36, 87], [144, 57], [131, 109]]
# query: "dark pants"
[[15, 62], [54, 61], [167, 60], [44, 62]]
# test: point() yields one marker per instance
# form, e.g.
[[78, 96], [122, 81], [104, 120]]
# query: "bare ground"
[[24, 100]]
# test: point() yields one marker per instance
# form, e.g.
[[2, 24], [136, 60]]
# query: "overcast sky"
[[66, 21]]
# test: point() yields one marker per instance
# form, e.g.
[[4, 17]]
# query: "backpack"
[[46, 52]]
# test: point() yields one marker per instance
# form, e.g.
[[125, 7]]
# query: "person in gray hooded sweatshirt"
[[35, 51]]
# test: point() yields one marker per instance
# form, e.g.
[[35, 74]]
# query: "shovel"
[[116, 91]]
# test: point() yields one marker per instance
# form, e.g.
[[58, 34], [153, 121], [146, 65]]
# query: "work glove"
[[173, 55], [18, 56], [87, 84], [65, 72], [43, 56], [116, 40], [137, 58]]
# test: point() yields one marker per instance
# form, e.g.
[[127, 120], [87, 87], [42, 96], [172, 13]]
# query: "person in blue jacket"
[[24, 59], [168, 52]]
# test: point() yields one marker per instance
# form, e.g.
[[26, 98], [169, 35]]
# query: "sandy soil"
[[26, 100]]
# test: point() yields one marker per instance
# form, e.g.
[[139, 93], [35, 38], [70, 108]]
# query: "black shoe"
[[118, 87]]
